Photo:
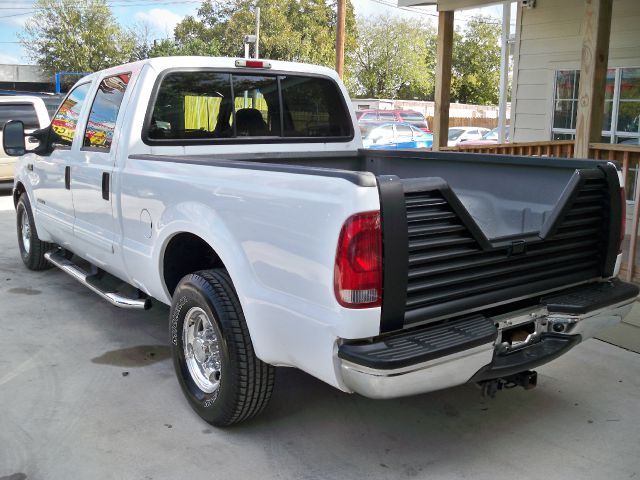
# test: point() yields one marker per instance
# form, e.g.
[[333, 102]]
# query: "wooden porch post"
[[596, 28], [340, 28], [444, 50]]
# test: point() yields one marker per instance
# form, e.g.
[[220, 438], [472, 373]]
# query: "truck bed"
[[465, 232]]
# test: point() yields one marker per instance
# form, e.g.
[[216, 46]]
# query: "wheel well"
[[17, 191], [187, 253]]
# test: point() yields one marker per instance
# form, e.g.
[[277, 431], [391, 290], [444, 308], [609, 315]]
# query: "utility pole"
[[257, 45], [340, 28]]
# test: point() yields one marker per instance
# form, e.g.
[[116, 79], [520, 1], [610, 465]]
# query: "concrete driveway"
[[87, 391]]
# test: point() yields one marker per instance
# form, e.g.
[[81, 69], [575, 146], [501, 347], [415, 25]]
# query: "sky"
[[163, 15]]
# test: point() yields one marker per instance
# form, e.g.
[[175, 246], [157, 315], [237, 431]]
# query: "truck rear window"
[[211, 107], [19, 111]]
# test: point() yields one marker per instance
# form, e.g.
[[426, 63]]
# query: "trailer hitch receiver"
[[526, 380]]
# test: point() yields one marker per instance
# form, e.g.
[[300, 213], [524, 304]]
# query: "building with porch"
[[546, 78], [575, 93]]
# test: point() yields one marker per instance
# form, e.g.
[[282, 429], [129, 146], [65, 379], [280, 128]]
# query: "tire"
[[32, 249], [218, 371]]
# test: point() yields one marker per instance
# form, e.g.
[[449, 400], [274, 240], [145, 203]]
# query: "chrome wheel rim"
[[25, 229], [202, 350]]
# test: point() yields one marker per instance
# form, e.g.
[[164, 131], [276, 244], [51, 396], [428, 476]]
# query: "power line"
[[17, 14], [150, 3], [118, 3]]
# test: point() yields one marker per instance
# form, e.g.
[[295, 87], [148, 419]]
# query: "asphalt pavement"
[[87, 391]]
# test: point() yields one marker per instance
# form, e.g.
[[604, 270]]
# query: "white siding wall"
[[549, 38]]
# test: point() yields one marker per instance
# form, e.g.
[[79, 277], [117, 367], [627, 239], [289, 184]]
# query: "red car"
[[400, 116]]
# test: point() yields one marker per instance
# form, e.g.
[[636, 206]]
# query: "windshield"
[[454, 133], [366, 130], [491, 134]]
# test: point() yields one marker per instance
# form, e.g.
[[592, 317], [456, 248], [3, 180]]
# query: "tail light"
[[358, 268], [623, 217]]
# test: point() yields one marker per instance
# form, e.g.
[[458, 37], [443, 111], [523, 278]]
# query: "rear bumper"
[[472, 349]]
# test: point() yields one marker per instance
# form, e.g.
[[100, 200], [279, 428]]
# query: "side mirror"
[[13, 138]]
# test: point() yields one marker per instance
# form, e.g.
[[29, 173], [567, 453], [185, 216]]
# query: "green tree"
[[476, 62], [392, 59], [294, 30], [76, 36]]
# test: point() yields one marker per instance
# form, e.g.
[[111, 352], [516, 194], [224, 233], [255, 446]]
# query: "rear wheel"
[[223, 380], [32, 249]]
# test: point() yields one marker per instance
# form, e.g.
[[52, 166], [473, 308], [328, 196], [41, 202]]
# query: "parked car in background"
[[490, 138], [401, 116], [31, 111], [457, 135], [392, 136], [52, 102]]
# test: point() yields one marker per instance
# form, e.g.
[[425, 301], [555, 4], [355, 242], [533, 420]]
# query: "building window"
[[620, 123]]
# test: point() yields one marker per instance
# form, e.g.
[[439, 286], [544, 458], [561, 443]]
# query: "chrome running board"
[[83, 277]]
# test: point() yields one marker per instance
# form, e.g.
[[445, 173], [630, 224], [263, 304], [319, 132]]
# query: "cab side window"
[[104, 112], [65, 121]]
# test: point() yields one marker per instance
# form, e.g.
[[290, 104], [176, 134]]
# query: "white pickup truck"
[[236, 191]]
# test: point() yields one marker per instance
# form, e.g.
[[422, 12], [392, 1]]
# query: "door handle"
[[67, 177], [105, 185]]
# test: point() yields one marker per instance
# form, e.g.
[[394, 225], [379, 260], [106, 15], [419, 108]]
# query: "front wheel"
[[32, 249], [223, 380]]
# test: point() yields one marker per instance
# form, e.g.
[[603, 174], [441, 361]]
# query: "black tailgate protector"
[[588, 298], [550, 347], [430, 342], [582, 300], [421, 345]]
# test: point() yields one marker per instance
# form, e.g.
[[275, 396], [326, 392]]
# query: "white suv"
[[33, 113]]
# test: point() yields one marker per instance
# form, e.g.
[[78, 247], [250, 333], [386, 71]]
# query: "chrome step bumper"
[[85, 278], [558, 324]]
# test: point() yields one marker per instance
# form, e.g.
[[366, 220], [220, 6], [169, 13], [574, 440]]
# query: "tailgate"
[[440, 262]]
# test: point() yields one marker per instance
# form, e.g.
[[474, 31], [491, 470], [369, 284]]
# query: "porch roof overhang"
[[448, 5]]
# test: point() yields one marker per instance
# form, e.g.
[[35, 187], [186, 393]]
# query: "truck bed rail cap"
[[362, 179]]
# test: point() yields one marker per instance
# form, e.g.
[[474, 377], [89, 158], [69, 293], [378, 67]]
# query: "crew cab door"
[[95, 228], [52, 190]]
